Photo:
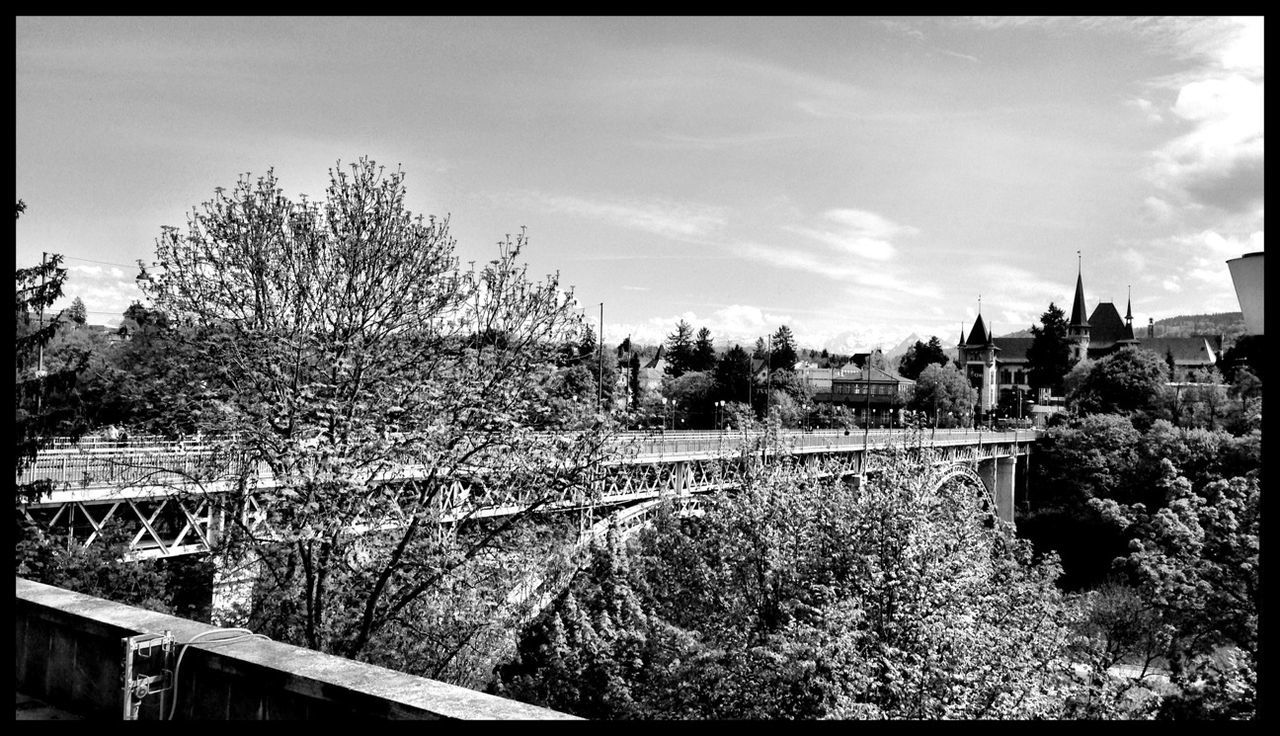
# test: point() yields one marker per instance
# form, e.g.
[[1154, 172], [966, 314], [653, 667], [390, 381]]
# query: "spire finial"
[[1079, 268], [979, 305]]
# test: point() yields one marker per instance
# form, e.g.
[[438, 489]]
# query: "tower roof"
[[978, 335], [1077, 307]]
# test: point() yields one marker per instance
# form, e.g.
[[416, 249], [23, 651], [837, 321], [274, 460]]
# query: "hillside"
[[1229, 324]]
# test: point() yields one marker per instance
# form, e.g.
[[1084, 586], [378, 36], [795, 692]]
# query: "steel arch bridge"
[[171, 496], [533, 594]]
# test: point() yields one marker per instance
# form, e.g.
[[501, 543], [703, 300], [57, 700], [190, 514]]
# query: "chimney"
[[1151, 326]]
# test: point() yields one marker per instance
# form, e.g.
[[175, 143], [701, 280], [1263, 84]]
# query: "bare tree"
[[355, 350]]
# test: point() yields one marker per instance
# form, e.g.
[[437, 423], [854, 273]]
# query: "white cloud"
[[1159, 209], [1136, 262], [1171, 284], [858, 232], [1147, 108], [678, 221], [1245, 51], [1219, 160]]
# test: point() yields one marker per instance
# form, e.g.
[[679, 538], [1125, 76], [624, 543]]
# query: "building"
[[873, 396], [998, 368], [1247, 275]]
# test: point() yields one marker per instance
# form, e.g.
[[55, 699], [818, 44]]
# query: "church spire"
[[1077, 307], [1128, 308]]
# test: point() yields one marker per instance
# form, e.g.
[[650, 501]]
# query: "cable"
[[105, 263], [241, 635]]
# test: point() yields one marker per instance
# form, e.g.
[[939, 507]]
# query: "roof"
[[1077, 307], [1185, 350], [653, 363], [1013, 349], [878, 375], [1106, 328], [978, 335]]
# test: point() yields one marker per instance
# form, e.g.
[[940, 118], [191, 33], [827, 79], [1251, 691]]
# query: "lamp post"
[[866, 424]]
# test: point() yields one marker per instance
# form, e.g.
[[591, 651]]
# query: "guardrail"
[[168, 462]]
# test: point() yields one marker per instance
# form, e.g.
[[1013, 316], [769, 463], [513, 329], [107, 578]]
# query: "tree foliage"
[[1128, 381], [350, 344], [943, 392], [704, 352], [1195, 561], [783, 346], [40, 405], [1049, 356], [680, 350], [803, 598], [919, 356]]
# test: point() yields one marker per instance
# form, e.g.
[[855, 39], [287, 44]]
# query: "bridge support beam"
[[1006, 476], [987, 472]]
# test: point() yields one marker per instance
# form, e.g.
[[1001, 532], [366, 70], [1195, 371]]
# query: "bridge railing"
[[163, 461]]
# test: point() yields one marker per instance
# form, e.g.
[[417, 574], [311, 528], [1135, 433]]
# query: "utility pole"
[[44, 256], [600, 367], [866, 425]]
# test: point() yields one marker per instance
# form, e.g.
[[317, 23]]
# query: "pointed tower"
[[1078, 328], [961, 358], [1129, 337]]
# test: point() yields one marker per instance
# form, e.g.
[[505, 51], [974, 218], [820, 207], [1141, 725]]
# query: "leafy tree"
[[919, 356], [1130, 380], [760, 352], [77, 312], [40, 403], [1195, 562], [351, 344], [633, 380], [784, 350], [798, 597], [680, 350], [943, 392], [178, 586], [1248, 351], [704, 353], [733, 375], [692, 394], [1049, 356]]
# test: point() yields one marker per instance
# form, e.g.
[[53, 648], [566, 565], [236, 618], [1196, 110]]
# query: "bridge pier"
[[999, 475], [1006, 476]]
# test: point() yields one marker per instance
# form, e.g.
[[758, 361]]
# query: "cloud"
[[1136, 262], [1218, 162], [858, 232], [958, 55], [678, 221], [1159, 209], [1147, 108], [1171, 284], [635, 288]]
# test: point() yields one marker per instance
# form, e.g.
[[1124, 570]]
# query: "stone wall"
[[69, 652]]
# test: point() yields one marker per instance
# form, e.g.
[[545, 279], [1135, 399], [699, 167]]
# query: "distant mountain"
[[1019, 333], [901, 348]]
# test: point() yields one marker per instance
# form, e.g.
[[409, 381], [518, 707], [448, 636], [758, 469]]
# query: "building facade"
[[998, 368]]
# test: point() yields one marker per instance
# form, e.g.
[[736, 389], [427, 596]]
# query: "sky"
[[858, 179]]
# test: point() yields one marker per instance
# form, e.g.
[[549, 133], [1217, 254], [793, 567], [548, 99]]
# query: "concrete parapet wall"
[[69, 653]]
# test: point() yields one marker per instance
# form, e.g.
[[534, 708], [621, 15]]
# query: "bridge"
[[168, 493]]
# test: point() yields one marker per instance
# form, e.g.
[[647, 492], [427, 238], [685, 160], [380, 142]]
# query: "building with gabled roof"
[[998, 368]]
